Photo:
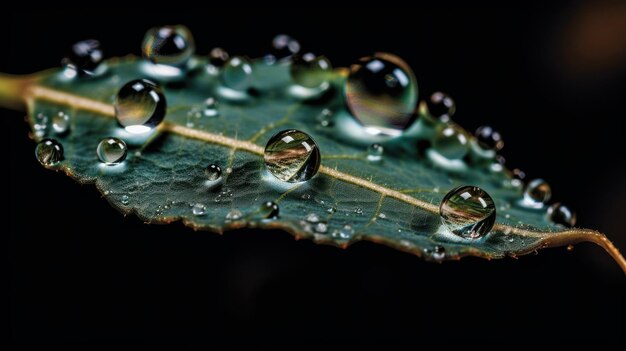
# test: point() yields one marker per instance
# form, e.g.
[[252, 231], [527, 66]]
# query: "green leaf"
[[394, 201]]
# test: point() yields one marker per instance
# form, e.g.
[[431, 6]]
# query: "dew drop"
[[237, 73], [310, 71], [292, 156], [84, 57], [210, 107], [325, 118], [213, 172], [41, 124], [375, 152], [269, 210], [125, 200], [451, 142], [234, 215], [440, 105], [346, 232], [168, 45], [112, 151], [358, 211], [49, 152], [321, 227], [381, 93], [331, 210], [198, 209], [489, 138], [382, 215], [61, 123], [439, 252], [283, 47], [312, 218], [468, 211], [537, 193], [218, 57], [140, 106], [561, 214]]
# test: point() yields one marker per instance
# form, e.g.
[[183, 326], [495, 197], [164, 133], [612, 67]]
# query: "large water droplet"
[[283, 47], [269, 210], [489, 138], [198, 209], [168, 45], [537, 193], [451, 142], [112, 151], [61, 122], [292, 156], [468, 211], [49, 152], [140, 106], [213, 172], [375, 152], [561, 214], [381, 93], [237, 73], [84, 57], [310, 71], [440, 105]]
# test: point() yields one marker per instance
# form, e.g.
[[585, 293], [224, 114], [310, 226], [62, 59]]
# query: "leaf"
[[394, 202]]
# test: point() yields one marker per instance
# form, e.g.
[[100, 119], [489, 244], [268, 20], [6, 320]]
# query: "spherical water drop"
[[168, 45], [234, 215], [489, 138], [312, 218], [537, 193], [292, 156], [140, 106], [49, 152], [237, 73], [198, 209], [325, 117], [283, 47], [269, 210], [61, 122], [210, 107], [84, 57], [375, 152], [451, 142], [310, 71], [381, 92], [218, 57], [561, 214], [468, 211], [213, 172], [112, 151], [439, 252], [125, 199], [440, 105]]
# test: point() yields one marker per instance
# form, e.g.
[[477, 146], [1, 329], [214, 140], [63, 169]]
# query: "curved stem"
[[13, 90]]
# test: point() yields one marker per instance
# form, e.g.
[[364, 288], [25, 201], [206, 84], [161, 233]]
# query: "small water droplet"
[[269, 210], [489, 138], [292, 156], [561, 214], [84, 57], [283, 47], [106, 192], [49, 152], [321, 227], [237, 73], [61, 123], [451, 142], [537, 193], [306, 196], [325, 118], [310, 71], [381, 93], [382, 215], [439, 252], [511, 239], [441, 105], [358, 211], [570, 247], [198, 209], [41, 124], [218, 57], [210, 107], [234, 215], [468, 211], [140, 106], [125, 200], [213, 172], [436, 189], [345, 233], [375, 152], [111, 151], [507, 216], [312, 218], [331, 210], [168, 45]]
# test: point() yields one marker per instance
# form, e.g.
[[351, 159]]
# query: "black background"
[[79, 272]]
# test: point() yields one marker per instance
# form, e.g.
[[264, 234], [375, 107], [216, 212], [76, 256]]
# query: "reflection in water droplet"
[[210, 107], [451, 142], [140, 106], [283, 47], [561, 214], [489, 138], [345, 233], [61, 122], [292, 156], [440, 105], [537, 193], [468, 211], [234, 215], [375, 152], [325, 117], [198, 209], [312, 218], [40, 125], [237, 73], [84, 57], [310, 71], [49, 152], [381, 92], [111, 151], [125, 199], [213, 172], [269, 210], [168, 45], [218, 57], [439, 252]]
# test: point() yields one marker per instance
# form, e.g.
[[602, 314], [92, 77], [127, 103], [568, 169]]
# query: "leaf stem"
[[13, 90]]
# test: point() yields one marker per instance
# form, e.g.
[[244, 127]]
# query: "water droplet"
[[321, 227], [468, 211], [140, 106], [234, 215], [537, 193], [310, 71], [213, 172], [501, 160], [292, 156], [84, 57], [358, 211], [198, 209], [381, 93], [440, 105], [306, 196], [561, 214], [451, 142], [237, 73], [112, 151], [312, 218], [41, 124], [269, 210], [125, 199], [375, 152], [325, 117], [331, 210], [61, 122], [218, 57], [210, 107], [489, 138], [382, 215], [570, 247], [168, 45], [345, 233], [283, 47], [49, 152], [439, 252]]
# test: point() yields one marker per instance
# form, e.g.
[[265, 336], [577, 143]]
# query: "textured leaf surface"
[[394, 201]]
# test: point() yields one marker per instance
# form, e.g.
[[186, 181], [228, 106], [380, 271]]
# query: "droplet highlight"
[[218, 57], [112, 151], [561, 214], [375, 152], [140, 106], [198, 209], [49, 152], [537, 193], [283, 47], [468, 211], [292, 156]]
